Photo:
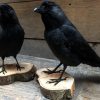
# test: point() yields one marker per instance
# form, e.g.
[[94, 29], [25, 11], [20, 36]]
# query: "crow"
[[11, 34], [64, 39]]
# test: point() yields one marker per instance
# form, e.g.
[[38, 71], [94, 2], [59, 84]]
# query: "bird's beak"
[[37, 9]]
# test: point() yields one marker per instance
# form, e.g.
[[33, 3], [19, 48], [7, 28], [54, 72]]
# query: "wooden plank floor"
[[39, 48], [87, 81]]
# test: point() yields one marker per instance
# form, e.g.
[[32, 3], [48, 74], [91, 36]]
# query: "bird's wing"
[[78, 45], [56, 41]]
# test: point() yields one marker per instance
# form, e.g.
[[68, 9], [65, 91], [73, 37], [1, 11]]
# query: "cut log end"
[[61, 91], [27, 73]]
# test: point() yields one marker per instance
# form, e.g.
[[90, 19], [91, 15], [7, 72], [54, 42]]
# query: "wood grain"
[[84, 14], [87, 80], [30, 21], [16, 1], [27, 73], [61, 91]]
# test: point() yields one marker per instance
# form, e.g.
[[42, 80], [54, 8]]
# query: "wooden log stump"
[[27, 73], [62, 91]]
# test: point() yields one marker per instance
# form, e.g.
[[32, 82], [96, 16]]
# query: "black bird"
[[64, 39], [11, 34]]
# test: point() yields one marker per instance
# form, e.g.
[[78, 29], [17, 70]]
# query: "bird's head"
[[51, 12], [7, 14], [45, 7]]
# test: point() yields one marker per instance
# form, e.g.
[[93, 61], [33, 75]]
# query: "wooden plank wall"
[[84, 14]]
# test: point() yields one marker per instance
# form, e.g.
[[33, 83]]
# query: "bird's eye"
[[45, 7]]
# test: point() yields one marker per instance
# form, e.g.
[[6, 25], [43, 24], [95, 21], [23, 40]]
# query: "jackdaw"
[[64, 39], [11, 34]]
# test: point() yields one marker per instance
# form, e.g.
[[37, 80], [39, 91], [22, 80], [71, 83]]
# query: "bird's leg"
[[17, 65], [56, 81], [54, 70], [3, 66]]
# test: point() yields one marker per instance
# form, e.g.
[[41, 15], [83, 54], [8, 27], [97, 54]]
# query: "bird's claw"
[[59, 71], [48, 71], [19, 68], [52, 71], [56, 81], [3, 71]]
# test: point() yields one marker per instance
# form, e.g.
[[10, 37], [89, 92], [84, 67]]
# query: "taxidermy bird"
[[64, 40], [11, 34]]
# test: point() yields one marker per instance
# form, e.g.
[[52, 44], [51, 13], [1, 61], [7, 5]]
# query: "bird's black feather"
[[64, 39], [11, 32]]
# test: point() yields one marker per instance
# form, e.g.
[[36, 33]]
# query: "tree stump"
[[27, 73], [62, 91]]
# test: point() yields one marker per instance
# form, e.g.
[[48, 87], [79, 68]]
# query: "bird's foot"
[[19, 68], [56, 81], [52, 71], [3, 71]]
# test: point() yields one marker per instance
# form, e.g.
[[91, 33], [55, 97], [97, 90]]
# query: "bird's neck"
[[51, 24]]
